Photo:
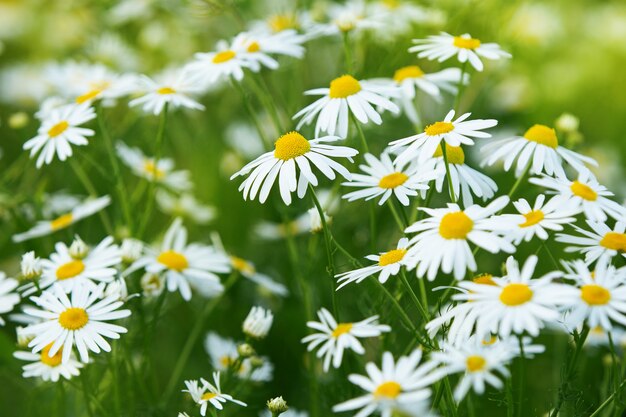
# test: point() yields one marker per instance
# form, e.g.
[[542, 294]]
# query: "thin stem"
[[460, 87], [347, 52], [265, 98], [519, 180], [552, 258], [424, 296], [360, 132], [251, 113], [520, 400], [609, 400], [412, 294], [396, 216], [448, 176], [91, 190]]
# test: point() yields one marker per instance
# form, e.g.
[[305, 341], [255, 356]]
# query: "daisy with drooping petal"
[[396, 386], [48, 368], [333, 338], [85, 209], [60, 130], [599, 297], [80, 320], [346, 96], [442, 240], [100, 83], [538, 149], [600, 242], [185, 266], [173, 87], [587, 193], [385, 179], [444, 46], [9, 298], [453, 132], [517, 302], [541, 217], [162, 172], [248, 270], [388, 264], [224, 355], [291, 150], [207, 393]]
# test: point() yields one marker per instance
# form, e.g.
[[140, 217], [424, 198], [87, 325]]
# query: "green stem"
[[265, 98], [359, 129], [424, 296], [251, 113], [520, 399], [460, 87], [347, 52], [396, 216], [91, 190], [609, 400], [448, 176], [412, 294], [519, 180]]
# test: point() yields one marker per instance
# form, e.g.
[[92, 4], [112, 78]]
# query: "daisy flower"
[[100, 83], [60, 130], [256, 48], [161, 172], [258, 323], [351, 17], [79, 212], [599, 297], [538, 149], [385, 178], [207, 393], [452, 132], [46, 367], [540, 217], [184, 265], [346, 96], [587, 194], [480, 363], [69, 269], [248, 270], [185, 205], [466, 181], [401, 385], [442, 241], [291, 150], [80, 319], [387, 264], [173, 88], [444, 46], [333, 338], [600, 242], [224, 357], [517, 302], [8, 297], [210, 67]]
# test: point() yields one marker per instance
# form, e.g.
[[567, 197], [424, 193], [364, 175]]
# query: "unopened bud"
[[277, 406], [245, 350], [258, 323], [18, 120], [78, 248], [131, 250], [31, 266]]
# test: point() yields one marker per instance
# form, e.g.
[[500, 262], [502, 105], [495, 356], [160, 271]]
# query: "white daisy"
[[79, 212], [208, 393], [346, 95], [600, 242], [185, 205], [209, 67], [79, 320], [185, 266], [292, 150], [9, 298], [401, 385], [540, 217], [333, 338], [162, 172], [442, 240], [444, 46], [100, 83], [224, 357], [599, 297], [258, 323], [173, 87], [453, 132], [350, 17], [256, 48], [587, 193], [46, 367], [248, 270], [60, 130], [537, 149], [387, 264], [517, 302], [385, 178]]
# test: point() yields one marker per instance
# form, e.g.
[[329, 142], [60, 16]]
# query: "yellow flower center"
[[61, 221], [393, 180], [173, 260], [242, 265], [344, 86], [595, 295], [466, 43], [291, 145], [223, 56], [439, 128], [391, 257], [543, 135], [88, 95], [614, 241], [282, 22], [484, 279], [70, 269], [166, 90], [254, 47], [532, 218], [58, 128], [342, 328], [208, 395], [412, 71], [455, 225], [54, 360], [455, 154], [516, 294], [491, 341], [475, 363], [389, 389], [73, 318], [583, 191], [151, 169]]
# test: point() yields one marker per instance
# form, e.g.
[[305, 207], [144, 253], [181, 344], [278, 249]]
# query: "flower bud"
[[31, 266], [18, 120], [78, 248], [567, 123], [245, 350], [131, 250], [258, 323], [23, 338], [277, 406], [152, 284]]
